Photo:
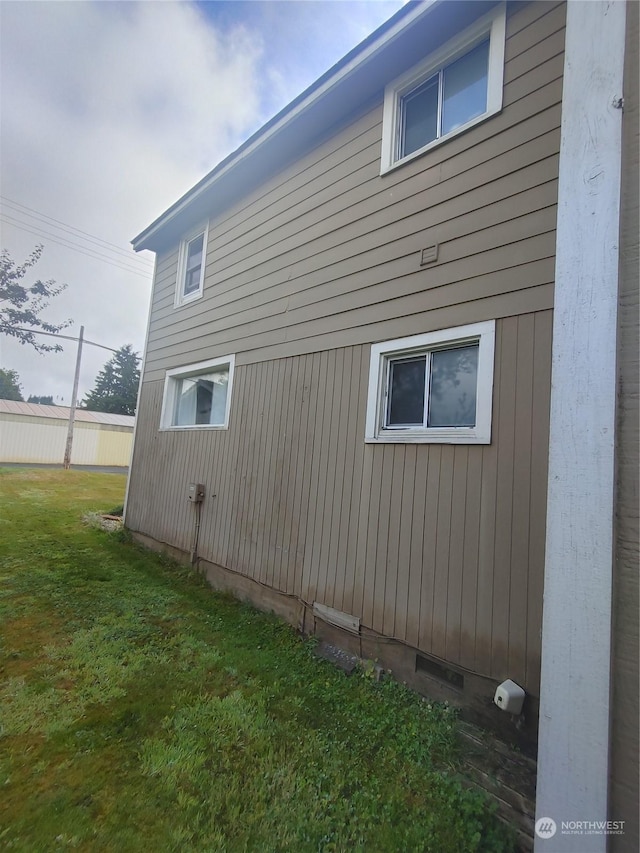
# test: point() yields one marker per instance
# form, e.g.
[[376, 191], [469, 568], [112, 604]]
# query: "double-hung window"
[[198, 395], [450, 91], [191, 264], [435, 387]]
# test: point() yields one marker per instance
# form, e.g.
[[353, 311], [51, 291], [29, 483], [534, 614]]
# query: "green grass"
[[139, 711]]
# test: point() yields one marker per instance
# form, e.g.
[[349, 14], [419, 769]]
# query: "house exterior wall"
[[440, 547], [436, 545], [327, 253], [43, 440], [624, 795]]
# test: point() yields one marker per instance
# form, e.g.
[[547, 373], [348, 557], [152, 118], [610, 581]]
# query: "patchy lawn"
[[140, 711]]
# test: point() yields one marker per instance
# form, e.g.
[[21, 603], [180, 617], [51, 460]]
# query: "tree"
[[10, 385], [116, 388], [43, 401], [21, 306]]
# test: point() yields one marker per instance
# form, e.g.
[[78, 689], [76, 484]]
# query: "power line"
[[5, 329], [84, 250], [65, 226]]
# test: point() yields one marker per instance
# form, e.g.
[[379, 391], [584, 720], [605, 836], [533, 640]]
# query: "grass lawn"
[[139, 711]]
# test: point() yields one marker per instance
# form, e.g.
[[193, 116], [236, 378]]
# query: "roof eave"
[[151, 237]]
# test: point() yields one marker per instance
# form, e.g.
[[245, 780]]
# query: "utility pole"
[[76, 378], [72, 410]]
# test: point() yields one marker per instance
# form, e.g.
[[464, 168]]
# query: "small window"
[[433, 388], [451, 91], [198, 396], [191, 263]]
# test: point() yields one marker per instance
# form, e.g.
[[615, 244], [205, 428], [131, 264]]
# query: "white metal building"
[[36, 433]]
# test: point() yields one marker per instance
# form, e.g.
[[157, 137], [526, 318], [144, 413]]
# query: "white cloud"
[[110, 111], [113, 110]]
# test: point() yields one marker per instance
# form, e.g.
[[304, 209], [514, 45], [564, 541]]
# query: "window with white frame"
[[453, 89], [198, 396], [435, 387], [191, 264]]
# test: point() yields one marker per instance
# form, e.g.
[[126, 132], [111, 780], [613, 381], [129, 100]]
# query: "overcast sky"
[[112, 110]]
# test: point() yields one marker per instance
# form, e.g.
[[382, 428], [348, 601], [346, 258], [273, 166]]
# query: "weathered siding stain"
[[416, 540]]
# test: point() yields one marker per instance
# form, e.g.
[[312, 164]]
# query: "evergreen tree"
[[43, 401], [116, 388], [10, 385]]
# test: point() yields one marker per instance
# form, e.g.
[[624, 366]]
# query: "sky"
[[109, 112]]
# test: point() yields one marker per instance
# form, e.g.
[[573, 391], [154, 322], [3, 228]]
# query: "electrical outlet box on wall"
[[195, 492]]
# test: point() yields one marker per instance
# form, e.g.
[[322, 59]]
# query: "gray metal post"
[[72, 410]]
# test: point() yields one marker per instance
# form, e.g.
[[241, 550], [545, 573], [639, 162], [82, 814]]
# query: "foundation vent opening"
[[440, 671]]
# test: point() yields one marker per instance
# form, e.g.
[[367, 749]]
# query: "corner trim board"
[[573, 755]]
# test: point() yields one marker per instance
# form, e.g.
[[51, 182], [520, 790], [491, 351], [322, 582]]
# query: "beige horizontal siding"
[[343, 223], [348, 231], [507, 221], [440, 546], [295, 186], [346, 234], [326, 251], [393, 288]]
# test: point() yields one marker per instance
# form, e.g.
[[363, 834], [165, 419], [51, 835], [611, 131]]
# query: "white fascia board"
[[573, 750], [289, 115]]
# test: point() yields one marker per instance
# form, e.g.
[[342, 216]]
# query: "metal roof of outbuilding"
[[15, 407]]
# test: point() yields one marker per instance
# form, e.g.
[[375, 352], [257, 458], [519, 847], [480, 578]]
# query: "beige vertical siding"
[[327, 253], [625, 722], [31, 439], [113, 446], [440, 546]]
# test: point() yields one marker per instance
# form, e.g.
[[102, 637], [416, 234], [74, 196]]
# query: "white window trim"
[[180, 298], [381, 354], [492, 24], [186, 372]]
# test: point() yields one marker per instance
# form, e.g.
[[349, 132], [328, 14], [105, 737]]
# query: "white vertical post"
[[573, 753], [72, 410]]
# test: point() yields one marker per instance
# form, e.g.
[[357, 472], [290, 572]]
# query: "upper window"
[[449, 92], [191, 263], [198, 395], [433, 388]]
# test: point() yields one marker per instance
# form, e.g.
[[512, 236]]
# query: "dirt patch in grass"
[[24, 639]]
